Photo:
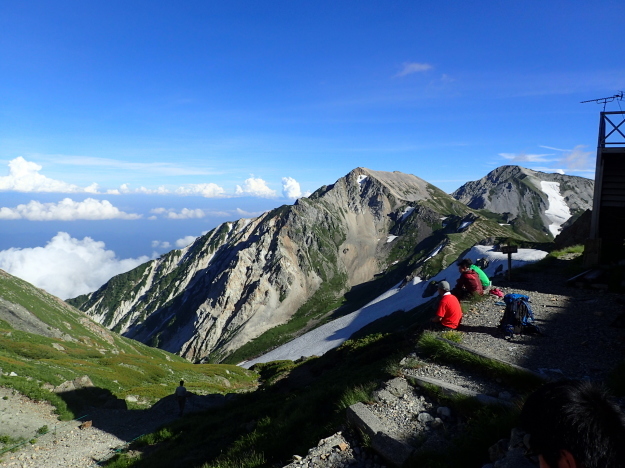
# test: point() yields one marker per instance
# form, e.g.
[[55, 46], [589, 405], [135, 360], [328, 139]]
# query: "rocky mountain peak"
[[531, 200]]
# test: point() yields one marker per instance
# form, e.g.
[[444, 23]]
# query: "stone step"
[[451, 389], [393, 450], [493, 358]]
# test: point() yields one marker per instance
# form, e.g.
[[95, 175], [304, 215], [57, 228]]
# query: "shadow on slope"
[[110, 414]]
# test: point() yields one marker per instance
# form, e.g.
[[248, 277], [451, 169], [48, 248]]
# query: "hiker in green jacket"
[[483, 278]]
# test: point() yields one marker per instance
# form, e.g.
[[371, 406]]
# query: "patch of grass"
[[271, 372], [574, 249], [360, 393], [572, 266], [452, 335], [43, 430]]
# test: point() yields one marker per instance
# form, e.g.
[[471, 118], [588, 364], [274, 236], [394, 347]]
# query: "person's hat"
[[444, 285]]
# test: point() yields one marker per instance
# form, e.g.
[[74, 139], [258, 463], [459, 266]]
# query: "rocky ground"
[[582, 338]]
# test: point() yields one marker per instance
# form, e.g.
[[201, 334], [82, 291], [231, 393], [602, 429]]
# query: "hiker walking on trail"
[[449, 313], [181, 396], [469, 283]]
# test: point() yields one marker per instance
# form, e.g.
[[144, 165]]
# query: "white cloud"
[[255, 187], [209, 190], [184, 213], [180, 243], [162, 168], [67, 267], [158, 191], [408, 68], [562, 162], [524, 157], [291, 188], [552, 148], [577, 159], [161, 245], [248, 214], [24, 176], [66, 210]]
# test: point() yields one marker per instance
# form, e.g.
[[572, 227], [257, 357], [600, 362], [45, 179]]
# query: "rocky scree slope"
[[245, 277], [519, 195]]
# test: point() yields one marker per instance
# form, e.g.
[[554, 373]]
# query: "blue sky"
[[139, 124]]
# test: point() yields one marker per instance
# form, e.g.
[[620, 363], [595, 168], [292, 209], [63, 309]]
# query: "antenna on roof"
[[617, 97]]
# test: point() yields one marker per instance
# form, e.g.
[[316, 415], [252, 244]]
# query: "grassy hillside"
[[77, 346]]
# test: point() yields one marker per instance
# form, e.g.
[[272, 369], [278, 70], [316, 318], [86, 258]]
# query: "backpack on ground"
[[518, 317]]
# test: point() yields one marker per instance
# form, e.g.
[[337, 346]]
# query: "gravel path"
[[579, 337]]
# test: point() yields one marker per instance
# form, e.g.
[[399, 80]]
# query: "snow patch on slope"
[[331, 335], [558, 212], [406, 213]]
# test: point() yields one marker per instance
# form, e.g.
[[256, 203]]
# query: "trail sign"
[[509, 249]]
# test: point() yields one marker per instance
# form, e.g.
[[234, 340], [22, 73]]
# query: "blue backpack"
[[518, 318]]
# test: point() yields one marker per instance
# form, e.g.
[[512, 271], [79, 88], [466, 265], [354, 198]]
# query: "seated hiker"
[[485, 280], [469, 283], [574, 424], [181, 396], [449, 313]]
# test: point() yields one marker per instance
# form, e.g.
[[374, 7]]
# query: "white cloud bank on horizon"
[[24, 176], [66, 210], [256, 187], [67, 267], [208, 190], [185, 213]]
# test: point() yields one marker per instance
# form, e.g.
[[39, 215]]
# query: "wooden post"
[[509, 249]]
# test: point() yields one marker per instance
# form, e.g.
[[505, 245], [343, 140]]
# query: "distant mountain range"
[[252, 284]]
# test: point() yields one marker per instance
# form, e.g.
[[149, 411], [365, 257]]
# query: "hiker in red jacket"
[[449, 313], [468, 284]]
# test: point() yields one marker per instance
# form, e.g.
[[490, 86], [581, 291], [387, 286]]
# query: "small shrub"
[[43, 430]]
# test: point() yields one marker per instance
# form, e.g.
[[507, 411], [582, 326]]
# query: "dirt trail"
[[66, 445]]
